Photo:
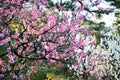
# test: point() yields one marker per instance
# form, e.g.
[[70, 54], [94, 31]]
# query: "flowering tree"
[[31, 35]]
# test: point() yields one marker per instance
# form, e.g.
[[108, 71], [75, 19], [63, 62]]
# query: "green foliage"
[[50, 76], [67, 4], [115, 3], [3, 48], [116, 23], [50, 2], [97, 28], [45, 73], [97, 36]]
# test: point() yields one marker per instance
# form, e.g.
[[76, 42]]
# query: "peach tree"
[[34, 34]]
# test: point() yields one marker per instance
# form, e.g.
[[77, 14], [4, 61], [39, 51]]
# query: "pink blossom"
[[82, 8], [46, 47], [34, 25], [47, 56], [18, 2], [73, 13], [33, 68], [1, 75], [51, 45], [63, 55], [86, 71], [92, 72], [3, 70], [21, 67], [1, 35], [1, 27], [21, 76], [61, 40], [34, 15], [52, 61], [45, 2], [88, 32], [0, 22], [71, 54], [2, 42], [11, 59], [15, 77], [81, 16], [75, 4], [77, 63], [54, 52], [73, 40], [106, 9], [13, 1], [96, 2], [92, 42], [15, 44], [82, 54], [19, 51], [46, 27], [91, 62], [81, 43], [7, 12], [51, 20], [72, 28], [27, 49], [24, 22], [5, 31], [28, 72], [1, 10], [62, 27], [60, 7], [38, 52], [81, 61], [15, 36], [41, 30], [22, 11], [1, 62], [74, 67]]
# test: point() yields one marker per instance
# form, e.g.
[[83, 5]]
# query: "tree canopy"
[[39, 33]]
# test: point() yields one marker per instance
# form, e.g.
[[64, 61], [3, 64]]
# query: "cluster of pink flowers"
[[2, 42]]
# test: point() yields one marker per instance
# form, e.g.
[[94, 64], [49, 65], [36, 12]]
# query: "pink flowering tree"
[[31, 35]]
